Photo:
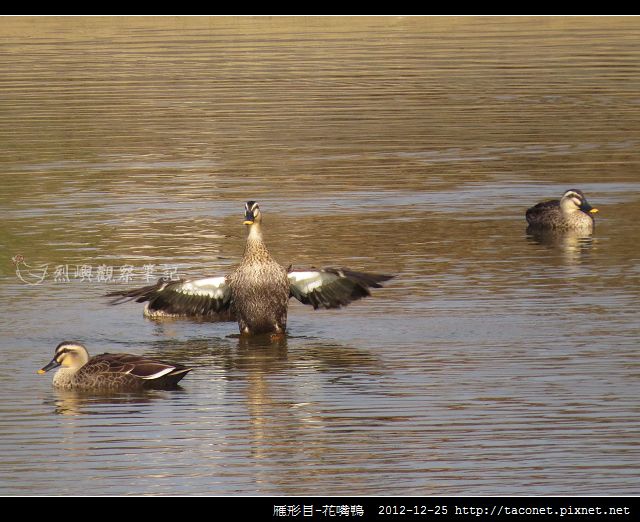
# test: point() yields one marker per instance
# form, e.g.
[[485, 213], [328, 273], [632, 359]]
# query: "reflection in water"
[[286, 421], [74, 402], [574, 245], [405, 145], [269, 415], [288, 429]]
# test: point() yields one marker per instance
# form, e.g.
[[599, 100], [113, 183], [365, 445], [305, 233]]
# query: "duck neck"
[[255, 243], [64, 377]]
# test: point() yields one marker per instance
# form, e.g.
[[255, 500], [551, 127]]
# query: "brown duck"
[[257, 292], [571, 212], [110, 371]]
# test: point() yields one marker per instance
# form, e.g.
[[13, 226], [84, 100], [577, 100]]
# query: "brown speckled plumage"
[[256, 293], [110, 371], [572, 212], [259, 287]]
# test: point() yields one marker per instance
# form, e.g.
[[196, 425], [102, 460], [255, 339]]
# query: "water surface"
[[494, 363]]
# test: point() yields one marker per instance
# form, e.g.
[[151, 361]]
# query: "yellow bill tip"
[[41, 371], [247, 222], [593, 211]]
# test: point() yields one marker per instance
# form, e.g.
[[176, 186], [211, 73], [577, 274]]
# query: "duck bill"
[[593, 210], [585, 207], [53, 364], [249, 218]]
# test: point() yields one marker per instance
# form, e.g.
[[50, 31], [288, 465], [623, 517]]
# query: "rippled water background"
[[495, 362]]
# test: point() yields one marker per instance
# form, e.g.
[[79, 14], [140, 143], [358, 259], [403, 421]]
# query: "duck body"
[[259, 289], [257, 292], [110, 371], [571, 212]]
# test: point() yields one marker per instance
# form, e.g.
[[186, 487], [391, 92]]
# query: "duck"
[[109, 371], [256, 293], [571, 212]]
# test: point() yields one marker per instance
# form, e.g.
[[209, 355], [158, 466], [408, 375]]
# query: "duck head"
[[252, 213], [68, 354], [574, 200]]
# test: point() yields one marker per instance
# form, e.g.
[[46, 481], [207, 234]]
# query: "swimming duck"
[[571, 212], [256, 294], [110, 371]]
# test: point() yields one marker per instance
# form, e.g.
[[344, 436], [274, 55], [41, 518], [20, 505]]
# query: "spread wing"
[[332, 287], [210, 297]]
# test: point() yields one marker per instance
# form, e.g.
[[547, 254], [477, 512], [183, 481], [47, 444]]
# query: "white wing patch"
[[306, 281], [214, 287], [332, 287], [159, 374]]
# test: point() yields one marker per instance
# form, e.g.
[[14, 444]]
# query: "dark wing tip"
[[336, 287], [362, 278], [141, 294], [178, 298]]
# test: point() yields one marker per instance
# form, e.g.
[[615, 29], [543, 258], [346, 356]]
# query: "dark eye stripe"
[[64, 351]]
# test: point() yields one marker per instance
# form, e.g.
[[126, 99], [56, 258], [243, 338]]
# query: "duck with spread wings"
[[256, 294]]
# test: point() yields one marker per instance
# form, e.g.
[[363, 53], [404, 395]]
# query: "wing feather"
[[134, 365], [210, 297], [332, 287]]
